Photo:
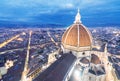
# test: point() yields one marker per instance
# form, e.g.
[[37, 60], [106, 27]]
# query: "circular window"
[[83, 53]]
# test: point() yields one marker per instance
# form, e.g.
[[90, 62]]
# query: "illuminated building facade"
[[77, 39]]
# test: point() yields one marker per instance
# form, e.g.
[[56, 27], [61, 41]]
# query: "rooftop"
[[58, 70]]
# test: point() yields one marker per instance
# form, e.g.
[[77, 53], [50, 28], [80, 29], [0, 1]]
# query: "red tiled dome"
[[77, 36]]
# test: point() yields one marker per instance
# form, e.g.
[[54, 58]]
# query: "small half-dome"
[[95, 59], [84, 60]]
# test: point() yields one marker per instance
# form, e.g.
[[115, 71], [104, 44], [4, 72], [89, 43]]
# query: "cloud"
[[23, 10], [68, 5]]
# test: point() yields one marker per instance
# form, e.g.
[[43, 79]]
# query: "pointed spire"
[[78, 10], [78, 17]]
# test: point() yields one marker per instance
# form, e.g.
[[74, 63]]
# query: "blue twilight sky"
[[93, 12]]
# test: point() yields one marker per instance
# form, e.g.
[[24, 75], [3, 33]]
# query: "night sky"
[[93, 12]]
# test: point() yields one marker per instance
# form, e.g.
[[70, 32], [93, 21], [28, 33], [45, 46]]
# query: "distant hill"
[[10, 24], [22, 25]]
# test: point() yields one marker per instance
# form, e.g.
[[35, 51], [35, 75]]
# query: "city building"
[[85, 64], [77, 39]]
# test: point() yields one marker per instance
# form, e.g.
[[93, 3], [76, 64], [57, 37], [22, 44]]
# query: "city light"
[[33, 51], [77, 75]]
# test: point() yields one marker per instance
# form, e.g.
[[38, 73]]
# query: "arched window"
[[89, 78], [70, 52]]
